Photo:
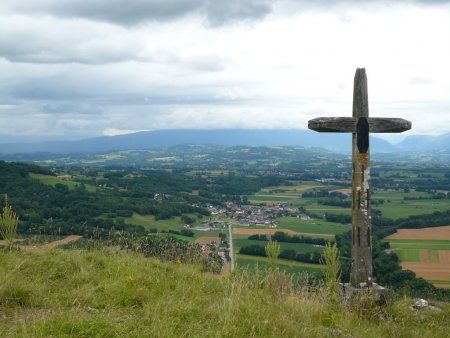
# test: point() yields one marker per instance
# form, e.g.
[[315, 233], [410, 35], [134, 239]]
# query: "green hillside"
[[111, 293]]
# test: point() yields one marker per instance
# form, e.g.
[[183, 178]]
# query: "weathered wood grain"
[[361, 268], [333, 124], [348, 125], [388, 125], [360, 125], [360, 95]]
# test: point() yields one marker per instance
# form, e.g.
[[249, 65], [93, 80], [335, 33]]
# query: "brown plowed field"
[[444, 256], [441, 233], [208, 240], [431, 271], [442, 286], [244, 231]]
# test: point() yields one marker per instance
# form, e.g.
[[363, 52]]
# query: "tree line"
[[60, 209], [259, 250], [281, 236]]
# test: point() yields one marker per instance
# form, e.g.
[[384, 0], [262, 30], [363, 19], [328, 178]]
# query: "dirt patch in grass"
[[347, 191], [244, 231], [3, 242], [50, 245], [208, 240], [439, 233]]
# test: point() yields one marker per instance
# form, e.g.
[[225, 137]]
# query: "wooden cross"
[[360, 125]]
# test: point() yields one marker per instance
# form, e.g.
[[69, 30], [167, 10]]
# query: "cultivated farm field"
[[425, 251], [396, 203]]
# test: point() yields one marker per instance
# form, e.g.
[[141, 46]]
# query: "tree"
[[187, 219], [8, 224]]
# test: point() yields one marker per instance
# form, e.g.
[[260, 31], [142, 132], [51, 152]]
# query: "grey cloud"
[[76, 92], [63, 42], [133, 12], [55, 42], [71, 107], [36, 54], [206, 63], [51, 88]]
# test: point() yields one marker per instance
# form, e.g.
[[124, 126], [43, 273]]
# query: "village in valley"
[[247, 215], [243, 216]]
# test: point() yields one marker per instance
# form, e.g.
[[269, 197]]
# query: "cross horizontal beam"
[[348, 124]]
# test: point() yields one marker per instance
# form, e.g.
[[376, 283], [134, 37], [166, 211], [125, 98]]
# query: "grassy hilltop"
[[111, 293]]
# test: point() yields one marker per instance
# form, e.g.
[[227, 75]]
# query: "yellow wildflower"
[[129, 280], [178, 262]]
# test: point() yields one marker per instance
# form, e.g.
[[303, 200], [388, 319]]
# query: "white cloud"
[[66, 71]]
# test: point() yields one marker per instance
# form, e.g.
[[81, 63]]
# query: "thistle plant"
[[8, 224], [272, 252]]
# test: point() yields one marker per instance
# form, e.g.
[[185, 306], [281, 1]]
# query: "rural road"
[[231, 247]]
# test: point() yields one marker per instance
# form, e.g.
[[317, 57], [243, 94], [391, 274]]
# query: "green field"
[[286, 265], [291, 194], [418, 244], [53, 180], [395, 206], [313, 227], [298, 187], [403, 209], [422, 253], [407, 255], [299, 247], [408, 250], [320, 209], [174, 223], [149, 222]]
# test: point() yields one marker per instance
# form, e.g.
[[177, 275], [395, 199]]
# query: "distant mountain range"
[[425, 143], [340, 143]]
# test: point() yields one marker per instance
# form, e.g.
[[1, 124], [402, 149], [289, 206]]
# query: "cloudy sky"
[[72, 69]]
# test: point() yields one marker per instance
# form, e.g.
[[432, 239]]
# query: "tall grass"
[[272, 251], [114, 293], [332, 272], [8, 224]]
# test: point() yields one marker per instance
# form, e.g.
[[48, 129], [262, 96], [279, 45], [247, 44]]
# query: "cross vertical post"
[[361, 269], [360, 125]]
